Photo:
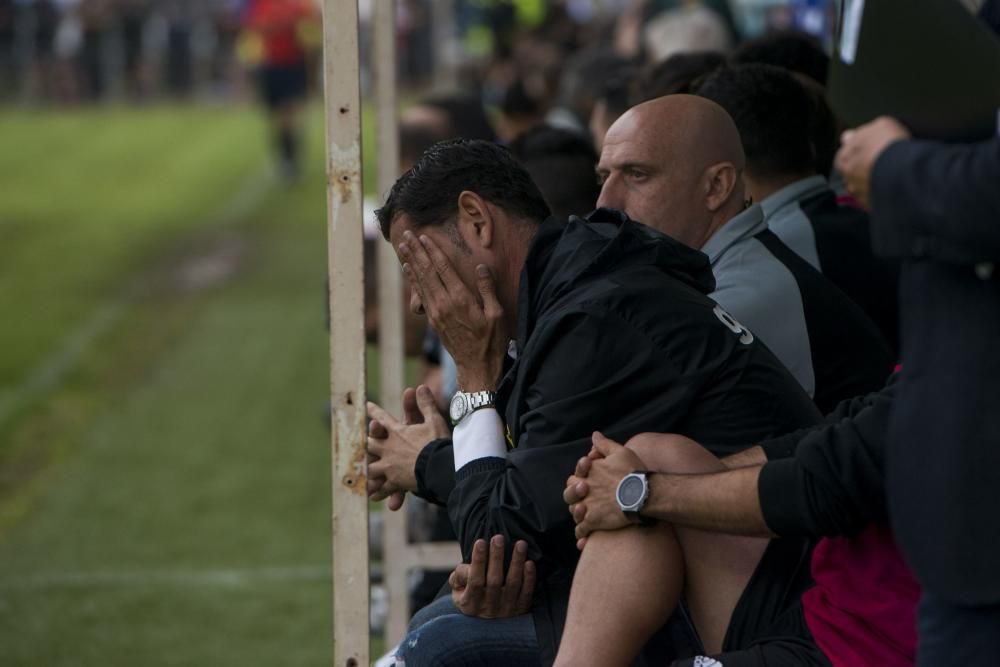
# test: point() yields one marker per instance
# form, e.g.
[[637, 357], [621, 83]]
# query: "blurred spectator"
[[776, 117], [684, 28], [8, 64], [96, 17], [791, 49], [413, 23], [519, 112], [826, 126], [133, 18], [223, 72], [676, 74], [613, 102], [582, 85], [451, 116], [561, 164]]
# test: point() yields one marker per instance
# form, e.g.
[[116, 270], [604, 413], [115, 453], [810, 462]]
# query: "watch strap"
[[481, 399]]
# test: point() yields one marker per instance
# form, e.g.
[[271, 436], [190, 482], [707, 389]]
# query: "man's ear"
[[719, 182], [475, 219]]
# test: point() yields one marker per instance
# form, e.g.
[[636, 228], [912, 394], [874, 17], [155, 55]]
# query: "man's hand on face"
[[393, 447], [859, 150], [480, 588], [590, 491], [470, 325]]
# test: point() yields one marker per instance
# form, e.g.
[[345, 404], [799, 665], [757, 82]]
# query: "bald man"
[[676, 163]]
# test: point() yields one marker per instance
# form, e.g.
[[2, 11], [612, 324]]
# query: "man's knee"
[[669, 452]]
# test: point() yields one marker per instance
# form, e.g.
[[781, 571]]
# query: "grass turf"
[[167, 502]]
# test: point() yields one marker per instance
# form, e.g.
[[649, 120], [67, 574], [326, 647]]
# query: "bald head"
[[674, 163]]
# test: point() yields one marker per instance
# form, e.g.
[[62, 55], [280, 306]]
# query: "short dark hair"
[[562, 164], [678, 74], [774, 114], [428, 193], [792, 49]]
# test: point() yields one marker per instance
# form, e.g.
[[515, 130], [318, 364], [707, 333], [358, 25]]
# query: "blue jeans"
[[442, 636], [953, 635]]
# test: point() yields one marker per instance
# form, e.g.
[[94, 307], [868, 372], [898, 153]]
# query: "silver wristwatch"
[[632, 494], [464, 404]]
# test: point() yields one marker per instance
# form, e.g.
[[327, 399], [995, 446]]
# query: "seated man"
[[775, 115], [827, 342], [611, 329], [824, 481]]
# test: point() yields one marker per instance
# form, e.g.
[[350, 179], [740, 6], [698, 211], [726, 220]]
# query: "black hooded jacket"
[[615, 334]]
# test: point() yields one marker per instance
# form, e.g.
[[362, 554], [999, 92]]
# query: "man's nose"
[[609, 197]]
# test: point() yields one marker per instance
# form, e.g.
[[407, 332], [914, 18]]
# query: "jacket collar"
[[565, 254], [793, 192], [744, 225]]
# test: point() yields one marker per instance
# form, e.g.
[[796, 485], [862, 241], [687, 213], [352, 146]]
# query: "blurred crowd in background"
[[84, 51]]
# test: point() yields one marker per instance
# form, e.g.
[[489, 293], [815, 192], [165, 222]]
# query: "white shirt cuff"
[[478, 436]]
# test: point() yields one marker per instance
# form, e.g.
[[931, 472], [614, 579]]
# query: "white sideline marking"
[[231, 577], [49, 373]]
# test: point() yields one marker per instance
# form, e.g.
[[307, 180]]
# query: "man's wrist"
[[479, 379], [660, 503]]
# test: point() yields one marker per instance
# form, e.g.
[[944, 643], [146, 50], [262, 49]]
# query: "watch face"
[[458, 407], [630, 491]]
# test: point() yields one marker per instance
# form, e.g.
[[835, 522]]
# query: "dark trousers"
[[953, 635]]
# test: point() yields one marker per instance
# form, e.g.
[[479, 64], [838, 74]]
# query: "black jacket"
[[615, 334], [937, 206], [843, 244], [830, 480]]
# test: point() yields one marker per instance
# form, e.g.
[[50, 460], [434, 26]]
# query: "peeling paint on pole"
[[344, 171], [349, 519]]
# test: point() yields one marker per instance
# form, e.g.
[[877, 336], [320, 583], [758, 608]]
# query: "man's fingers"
[[477, 565], [420, 266], [426, 405], [459, 577], [517, 559], [445, 271], [579, 512], [396, 501], [527, 592], [581, 543], [378, 414], [374, 483], [488, 292], [377, 469], [470, 602], [376, 430], [583, 466], [604, 445], [411, 413], [576, 490], [494, 575], [375, 448], [511, 593]]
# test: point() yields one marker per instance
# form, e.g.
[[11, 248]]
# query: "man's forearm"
[[724, 502], [752, 456]]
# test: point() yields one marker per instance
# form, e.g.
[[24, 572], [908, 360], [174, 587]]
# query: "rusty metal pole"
[[390, 298], [347, 335]]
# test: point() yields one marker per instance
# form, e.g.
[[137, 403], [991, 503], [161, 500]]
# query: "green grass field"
[[164, 463]]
